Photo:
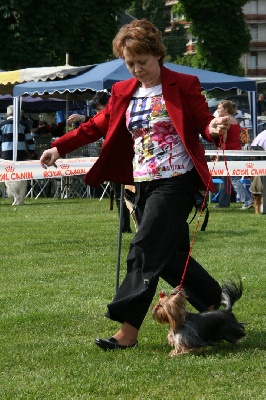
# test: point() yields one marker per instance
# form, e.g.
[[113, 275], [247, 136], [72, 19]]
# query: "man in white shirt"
[[260, 140]]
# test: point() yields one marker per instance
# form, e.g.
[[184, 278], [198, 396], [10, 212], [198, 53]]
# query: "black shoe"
[[111, 344]]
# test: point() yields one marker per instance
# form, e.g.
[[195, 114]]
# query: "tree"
[[175, 42], [221, 32], [152, 10], [34, 35]]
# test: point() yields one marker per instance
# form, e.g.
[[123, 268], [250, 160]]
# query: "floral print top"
[[159, 151]]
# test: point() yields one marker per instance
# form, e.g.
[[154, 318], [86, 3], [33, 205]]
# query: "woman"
[[231, 141], [151, 126]]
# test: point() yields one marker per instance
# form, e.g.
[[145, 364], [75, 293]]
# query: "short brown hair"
[[139, 37]]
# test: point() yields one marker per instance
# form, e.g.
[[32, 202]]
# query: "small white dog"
[[16, 190]]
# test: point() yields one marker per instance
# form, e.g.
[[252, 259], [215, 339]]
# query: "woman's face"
[[222, 111], [145, 67]]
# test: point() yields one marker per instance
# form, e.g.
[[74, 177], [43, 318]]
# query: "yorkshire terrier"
[[190, 331]]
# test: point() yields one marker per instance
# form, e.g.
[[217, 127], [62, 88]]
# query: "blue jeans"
[[242, 193]]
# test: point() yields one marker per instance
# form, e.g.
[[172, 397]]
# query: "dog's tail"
[[231, 292]]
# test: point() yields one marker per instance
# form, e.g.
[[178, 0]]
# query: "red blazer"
[[187, 109]]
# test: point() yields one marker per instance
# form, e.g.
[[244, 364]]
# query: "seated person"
[[43, 128]]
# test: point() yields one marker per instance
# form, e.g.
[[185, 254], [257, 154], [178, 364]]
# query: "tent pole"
[[119, 237], [254, 113], [16, 105], [67, 114]]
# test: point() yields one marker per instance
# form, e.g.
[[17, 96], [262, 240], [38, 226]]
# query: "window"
[[254, 6], [253, 61], [254, 32]]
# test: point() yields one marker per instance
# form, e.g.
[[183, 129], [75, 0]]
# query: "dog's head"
[[170, 309]]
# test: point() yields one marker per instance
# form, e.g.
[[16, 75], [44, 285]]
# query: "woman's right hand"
[[49, 158], [76, 118], [218, 126]]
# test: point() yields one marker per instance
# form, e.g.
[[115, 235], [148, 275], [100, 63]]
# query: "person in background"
[[238, 114], [25, 151], [226, 108], [25, 145], [256, 187], [256, 190], [260, 140], [151, 127], [43, 128], [98, 103], [261, 105]]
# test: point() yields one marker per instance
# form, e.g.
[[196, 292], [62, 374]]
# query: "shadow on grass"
[[253, 341], [223, 349]]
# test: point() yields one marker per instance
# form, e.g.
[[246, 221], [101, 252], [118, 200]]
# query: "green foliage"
[[152, 10], [40, 35], [221, 32], [175, 42], [58, 262], [187, 60]]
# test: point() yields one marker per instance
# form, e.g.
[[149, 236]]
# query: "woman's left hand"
[[219, 125]]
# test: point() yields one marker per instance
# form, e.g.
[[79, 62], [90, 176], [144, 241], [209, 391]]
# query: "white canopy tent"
[[8, 79]]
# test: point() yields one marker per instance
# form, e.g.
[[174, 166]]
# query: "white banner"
[[237, 168], [26, 170]]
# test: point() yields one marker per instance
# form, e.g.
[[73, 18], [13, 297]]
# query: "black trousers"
[[116, 187], [160, 249]]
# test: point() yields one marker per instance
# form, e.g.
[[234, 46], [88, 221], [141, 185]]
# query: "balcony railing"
[[256, 72], [257, 45], [255, 17]]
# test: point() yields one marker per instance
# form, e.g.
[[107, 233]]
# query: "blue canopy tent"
[[104, 75], [38, 104]]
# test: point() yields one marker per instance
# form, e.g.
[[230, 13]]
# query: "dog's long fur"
[[17, 191], [191, 331]]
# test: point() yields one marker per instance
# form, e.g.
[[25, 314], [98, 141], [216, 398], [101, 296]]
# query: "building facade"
[[254, 62]]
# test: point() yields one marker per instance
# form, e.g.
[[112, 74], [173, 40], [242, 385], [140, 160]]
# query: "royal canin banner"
[[27, 170], [237, 168]]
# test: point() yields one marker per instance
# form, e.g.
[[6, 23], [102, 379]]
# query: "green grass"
[[58, 264]]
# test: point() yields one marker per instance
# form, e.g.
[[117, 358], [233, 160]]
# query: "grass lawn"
[[58, 269]]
